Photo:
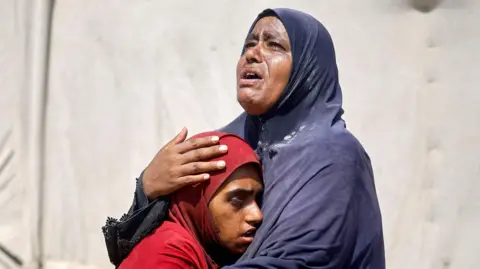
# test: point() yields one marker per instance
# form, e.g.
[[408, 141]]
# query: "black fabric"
[[141, 220]]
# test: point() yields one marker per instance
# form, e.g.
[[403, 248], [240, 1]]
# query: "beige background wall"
[[83, 110]]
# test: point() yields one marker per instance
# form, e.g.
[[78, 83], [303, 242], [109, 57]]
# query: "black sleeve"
[[143, 217]]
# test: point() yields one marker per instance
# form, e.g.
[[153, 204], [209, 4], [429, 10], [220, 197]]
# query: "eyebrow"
[[239, 192], [267, 35]]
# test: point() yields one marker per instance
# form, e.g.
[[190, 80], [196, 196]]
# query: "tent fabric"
[[119, 70]]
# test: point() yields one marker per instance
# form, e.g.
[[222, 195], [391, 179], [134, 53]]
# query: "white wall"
[[125, 76], [16, 233]]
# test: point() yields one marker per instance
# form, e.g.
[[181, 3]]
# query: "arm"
[[143, 217], [318, 228], [177, 164]]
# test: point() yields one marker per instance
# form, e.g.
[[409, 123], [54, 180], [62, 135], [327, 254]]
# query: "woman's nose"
[[254, 216], [253, 54]]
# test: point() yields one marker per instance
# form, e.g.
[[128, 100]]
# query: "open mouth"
[[250, 74], [250, 78], [250, 233]]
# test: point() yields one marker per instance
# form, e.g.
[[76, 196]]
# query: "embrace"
[[284, 185]]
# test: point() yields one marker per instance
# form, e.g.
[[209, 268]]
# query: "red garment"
[[187, 239], [170, 247]]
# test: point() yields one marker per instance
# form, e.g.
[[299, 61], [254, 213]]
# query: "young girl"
[[211, 223]]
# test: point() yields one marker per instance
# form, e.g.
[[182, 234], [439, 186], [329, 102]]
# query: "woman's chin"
[[251, 106]]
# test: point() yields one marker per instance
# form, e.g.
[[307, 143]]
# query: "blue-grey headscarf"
[[320, 206]]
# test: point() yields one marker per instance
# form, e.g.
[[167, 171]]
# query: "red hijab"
[[189, 205]]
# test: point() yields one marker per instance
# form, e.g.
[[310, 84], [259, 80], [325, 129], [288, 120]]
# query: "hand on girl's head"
[[182, 162]]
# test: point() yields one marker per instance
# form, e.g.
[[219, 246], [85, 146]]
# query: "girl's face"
[[235, 208]]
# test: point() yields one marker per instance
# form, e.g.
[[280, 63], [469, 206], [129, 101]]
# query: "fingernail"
[[215, 138], [206, 176], [221, 164], [223, 148]]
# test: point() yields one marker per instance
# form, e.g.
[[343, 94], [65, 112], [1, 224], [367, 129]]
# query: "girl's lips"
[[246, 240], [248, 235]]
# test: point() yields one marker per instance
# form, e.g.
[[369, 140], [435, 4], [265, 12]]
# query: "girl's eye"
[[236, 201]]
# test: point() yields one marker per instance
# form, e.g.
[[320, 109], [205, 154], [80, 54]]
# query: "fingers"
[[203, 154], [196, 168], [179, 138], [192, 179], [196, 143]]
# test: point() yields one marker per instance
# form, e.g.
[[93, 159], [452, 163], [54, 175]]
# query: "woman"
[[320, 206], [210, 224]]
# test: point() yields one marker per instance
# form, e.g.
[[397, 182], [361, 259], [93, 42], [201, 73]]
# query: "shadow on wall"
[[425, 5]]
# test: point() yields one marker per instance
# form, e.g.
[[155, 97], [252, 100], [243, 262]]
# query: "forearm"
[[143, 217], [140, 200]]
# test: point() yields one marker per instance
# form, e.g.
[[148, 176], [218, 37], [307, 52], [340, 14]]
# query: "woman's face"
[[235, 210], [264, 69]]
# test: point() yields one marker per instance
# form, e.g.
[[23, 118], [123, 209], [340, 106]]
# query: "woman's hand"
[[180, 163]]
